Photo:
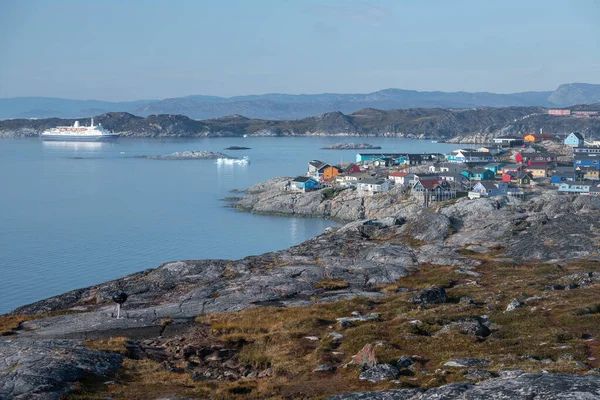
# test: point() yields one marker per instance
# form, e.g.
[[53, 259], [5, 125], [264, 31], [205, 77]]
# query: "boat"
[[77, 133], [233, 161]]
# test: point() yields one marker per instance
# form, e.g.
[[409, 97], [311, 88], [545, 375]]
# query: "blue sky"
[[126, 49]]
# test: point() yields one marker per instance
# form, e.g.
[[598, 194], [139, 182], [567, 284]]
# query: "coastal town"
[[510, 166]]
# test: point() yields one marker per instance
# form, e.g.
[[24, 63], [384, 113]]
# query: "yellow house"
[[538, 172]]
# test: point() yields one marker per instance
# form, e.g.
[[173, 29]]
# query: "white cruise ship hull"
[[82, 138]]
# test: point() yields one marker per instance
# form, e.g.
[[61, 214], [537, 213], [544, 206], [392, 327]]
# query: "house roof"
[[488, 185], [508, 138], [579, 156], [577, 135], [476, 154], [454, 175], [318, 164], [399, 174], [588, 168], [302, 179], [372, 181], [522, 175], [540, 135], [512, 166], [429, 183]]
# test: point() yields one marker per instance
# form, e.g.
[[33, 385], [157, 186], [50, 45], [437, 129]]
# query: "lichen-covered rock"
[[467, 362], [48, 369], [524, 387], [513, 305], [432, 295], [380, 372], [365, 358]]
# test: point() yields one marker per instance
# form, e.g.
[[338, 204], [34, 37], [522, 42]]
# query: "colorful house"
[[575, 139], [559, 178], [352, 169], [512, 168], [303, 184], [480, 174], [329, 173], [586, 150], [538, 172], [536, 138], [586, 160], [589, 173], [581, 187], [496, 168], [522, 178]]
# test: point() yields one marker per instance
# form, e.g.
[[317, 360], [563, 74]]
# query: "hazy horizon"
[[124, 51]]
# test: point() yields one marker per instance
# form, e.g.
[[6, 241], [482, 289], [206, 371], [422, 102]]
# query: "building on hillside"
[[559, 178], [537, 138], [487, 189], [303, 184], [559, 112], [586, 160], [581, 187], [512, 168], [588, 173], [401, 178], [372, 186], [585, 113], [509, 141], [521, 178], [479, 174], [433, 190], [315, 165], [586, 150], [474, 157], [538, 172], [496, 168], [575, 139]]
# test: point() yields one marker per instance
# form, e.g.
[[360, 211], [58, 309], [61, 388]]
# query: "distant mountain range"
[[290, 107], [434, 123]]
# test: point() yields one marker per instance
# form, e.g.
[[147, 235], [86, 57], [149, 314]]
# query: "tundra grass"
[[556, 331]]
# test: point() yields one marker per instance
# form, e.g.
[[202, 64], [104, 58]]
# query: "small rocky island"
[[188, 155], [238, 148], [351, 146]]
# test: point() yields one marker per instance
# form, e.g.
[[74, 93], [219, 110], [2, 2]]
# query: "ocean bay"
[[76, 214]]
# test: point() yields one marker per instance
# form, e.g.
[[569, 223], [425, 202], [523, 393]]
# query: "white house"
[[373, 185]]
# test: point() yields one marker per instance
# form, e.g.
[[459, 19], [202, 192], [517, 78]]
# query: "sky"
[[132, 49]]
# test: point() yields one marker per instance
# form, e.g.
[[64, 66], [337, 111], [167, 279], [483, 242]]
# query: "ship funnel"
[[76, 124]]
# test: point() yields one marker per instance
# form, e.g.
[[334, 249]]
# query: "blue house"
[[586, 160], [496, 168], [575, 187], [304, 184], [479, 174], [575, 139], [559, 178]]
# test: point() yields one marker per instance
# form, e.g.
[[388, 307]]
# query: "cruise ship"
[[78, 133]]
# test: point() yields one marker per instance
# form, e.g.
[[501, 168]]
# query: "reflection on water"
[[78, 146]]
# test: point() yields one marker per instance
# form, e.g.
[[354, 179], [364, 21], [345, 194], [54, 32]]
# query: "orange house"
[[531, 138], [330, 173]]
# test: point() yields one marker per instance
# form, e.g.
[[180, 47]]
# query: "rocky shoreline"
[[351, 146], [188, 155], [377, 265]]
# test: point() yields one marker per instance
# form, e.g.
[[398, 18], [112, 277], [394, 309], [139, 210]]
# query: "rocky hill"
[[419, 302], [287, 106], [434, 123]]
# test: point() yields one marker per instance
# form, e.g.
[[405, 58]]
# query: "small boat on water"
[[77, 133], [233, 161]]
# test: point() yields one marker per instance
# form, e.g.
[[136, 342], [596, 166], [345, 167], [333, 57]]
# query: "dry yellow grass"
[[557, 326]]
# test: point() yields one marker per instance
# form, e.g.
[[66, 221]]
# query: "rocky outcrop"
[[524, 387], [188, 155], [351, 146], [362, 258], [48, 369]]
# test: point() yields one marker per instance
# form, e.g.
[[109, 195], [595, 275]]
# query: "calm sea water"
[[77, 214]]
